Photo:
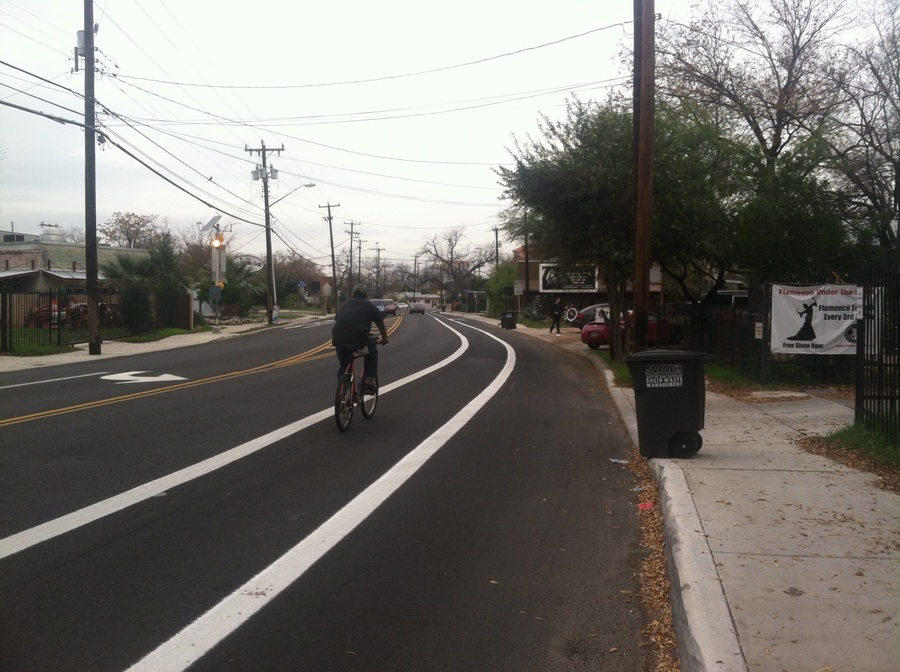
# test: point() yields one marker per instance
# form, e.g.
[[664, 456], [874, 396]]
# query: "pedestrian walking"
[[556, 310]]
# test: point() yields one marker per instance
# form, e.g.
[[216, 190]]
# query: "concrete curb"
[[707, 639]]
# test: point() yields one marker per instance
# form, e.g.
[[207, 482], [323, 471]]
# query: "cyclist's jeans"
[[370, 364]]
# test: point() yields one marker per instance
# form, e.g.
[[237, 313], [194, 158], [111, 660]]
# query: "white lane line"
[[20, 541], [189, 645], [54, 380]]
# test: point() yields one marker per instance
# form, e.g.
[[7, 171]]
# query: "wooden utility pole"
[[496, 247], [270, 297], [91, 261], [334, 288], [378, 268], [644, 91], [353, 234]]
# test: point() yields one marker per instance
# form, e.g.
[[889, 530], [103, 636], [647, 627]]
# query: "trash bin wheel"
[[685, 444]]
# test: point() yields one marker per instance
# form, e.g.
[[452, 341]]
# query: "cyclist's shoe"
[[369, 385]]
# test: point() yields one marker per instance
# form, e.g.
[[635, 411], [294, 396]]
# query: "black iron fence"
[[59, 317], [878, 350], [738, 338]]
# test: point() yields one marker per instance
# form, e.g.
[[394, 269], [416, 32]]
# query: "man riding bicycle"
[[352, 331]]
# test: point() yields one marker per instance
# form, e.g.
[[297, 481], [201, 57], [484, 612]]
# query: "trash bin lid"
[[669, 356]]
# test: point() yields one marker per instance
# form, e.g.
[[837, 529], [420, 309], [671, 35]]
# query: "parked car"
[[589, 314], [594, 334], [417, 307]]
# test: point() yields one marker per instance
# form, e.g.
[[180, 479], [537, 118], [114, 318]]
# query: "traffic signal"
[[218, 257]]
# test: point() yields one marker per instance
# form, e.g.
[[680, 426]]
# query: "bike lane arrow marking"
[[137, 377]]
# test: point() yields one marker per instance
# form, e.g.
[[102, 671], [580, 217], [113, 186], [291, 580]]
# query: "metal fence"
[[738, 338], [878, 350], [59, 317]]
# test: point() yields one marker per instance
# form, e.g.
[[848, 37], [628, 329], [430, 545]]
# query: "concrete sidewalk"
[[117, 348], [780, 560]]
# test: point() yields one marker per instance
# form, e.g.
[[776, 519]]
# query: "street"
[[199, 508]]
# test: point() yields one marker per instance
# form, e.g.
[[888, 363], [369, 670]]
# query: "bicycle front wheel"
[[343, 402], [369, 400]]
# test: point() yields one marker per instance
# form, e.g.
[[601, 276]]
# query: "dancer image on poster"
[[806, 333]]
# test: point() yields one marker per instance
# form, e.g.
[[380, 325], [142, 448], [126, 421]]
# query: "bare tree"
[[453, 263], [766, 66], [867, 143], [75, 234], [130, 230]]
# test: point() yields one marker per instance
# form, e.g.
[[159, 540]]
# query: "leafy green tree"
[[157, 275], [573, 192], [574, 197], [790, 229], [503, 277], [243, 288], [697, 175], [131, 276]]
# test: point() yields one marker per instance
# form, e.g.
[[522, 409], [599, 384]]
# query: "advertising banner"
[[814, 320], [560, 279]]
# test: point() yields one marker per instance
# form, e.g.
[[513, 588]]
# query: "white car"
[[402, 306]]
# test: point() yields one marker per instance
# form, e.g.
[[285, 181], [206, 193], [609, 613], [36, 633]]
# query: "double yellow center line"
[[318, 352]]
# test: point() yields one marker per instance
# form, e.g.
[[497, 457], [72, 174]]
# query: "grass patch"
[[621, 372], [37, 350], [869, 444], [728, 376], [858, 448]]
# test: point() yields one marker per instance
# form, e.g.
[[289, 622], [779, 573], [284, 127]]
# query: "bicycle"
[[351, 392]]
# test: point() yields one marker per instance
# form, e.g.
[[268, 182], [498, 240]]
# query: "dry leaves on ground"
[[888, 477], [659, 635]]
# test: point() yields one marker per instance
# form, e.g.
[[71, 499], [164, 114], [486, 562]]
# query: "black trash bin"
[[670, 401], [509, 319]]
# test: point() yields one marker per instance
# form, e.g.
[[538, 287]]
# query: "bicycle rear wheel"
[[343, 402], [369, 400]]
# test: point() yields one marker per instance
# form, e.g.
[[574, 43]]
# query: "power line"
[[400, 76]]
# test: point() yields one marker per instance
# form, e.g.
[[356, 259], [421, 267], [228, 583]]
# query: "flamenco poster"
[[819, 320]]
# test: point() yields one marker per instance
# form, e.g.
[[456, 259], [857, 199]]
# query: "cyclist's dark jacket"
[[353, 323]]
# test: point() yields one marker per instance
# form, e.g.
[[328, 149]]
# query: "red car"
[[595, 334]]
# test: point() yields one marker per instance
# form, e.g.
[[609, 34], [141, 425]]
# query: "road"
[[198, 508]]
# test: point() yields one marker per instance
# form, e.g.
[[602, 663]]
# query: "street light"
[[308, 184]]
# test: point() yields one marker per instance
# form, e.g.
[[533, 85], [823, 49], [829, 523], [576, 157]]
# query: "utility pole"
[[264, 174], [496, 247], [415, 277], [377, 265], [644, 86], [90, 183], [334, 288], [350, 268], [359, 244], [527, 265]]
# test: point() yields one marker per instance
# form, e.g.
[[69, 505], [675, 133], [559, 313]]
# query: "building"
[[36, 263]]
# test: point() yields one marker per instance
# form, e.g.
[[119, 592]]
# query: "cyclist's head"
[[360, 292]]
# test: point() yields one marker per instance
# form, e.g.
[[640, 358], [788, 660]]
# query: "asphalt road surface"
[[198, 509]]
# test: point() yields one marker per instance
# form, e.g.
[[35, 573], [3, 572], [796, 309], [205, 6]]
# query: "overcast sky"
[[396, 110]]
